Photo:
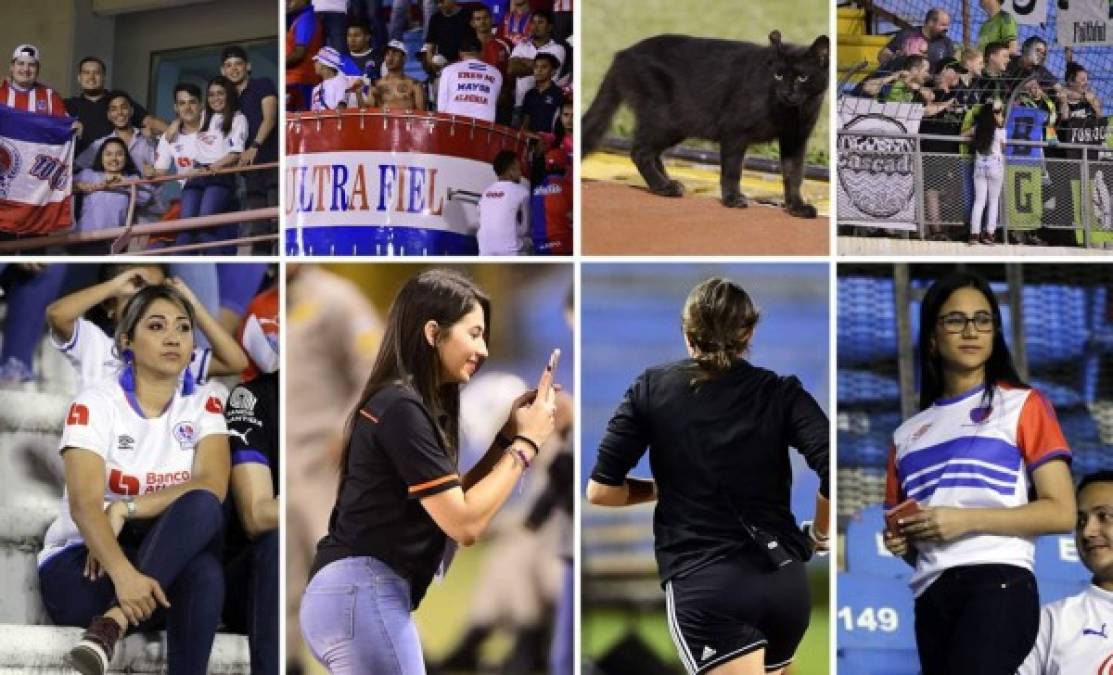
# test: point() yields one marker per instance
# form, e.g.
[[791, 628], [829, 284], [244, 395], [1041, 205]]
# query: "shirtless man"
[[395, 91]]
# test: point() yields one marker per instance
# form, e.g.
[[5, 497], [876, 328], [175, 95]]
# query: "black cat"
[[736, 93]]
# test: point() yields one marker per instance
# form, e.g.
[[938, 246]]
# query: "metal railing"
[[123, 236], [916, 173]]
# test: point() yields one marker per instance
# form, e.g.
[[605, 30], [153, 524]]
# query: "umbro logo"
[[125, 442], [708, 652]]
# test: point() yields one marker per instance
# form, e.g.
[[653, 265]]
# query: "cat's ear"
[[775, 39], [821, 49]]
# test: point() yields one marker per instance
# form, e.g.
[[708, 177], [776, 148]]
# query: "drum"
[[369, 182]]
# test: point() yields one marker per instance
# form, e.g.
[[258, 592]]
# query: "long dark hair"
[[231, 104], [985, 127], [405, 357], [129, 163], [998, 369], [718, 320]]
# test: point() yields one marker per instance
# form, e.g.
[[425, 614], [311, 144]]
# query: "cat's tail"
[[598, 117]]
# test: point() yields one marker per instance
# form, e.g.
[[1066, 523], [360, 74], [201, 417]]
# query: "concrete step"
[[21, 537], [40, 649]]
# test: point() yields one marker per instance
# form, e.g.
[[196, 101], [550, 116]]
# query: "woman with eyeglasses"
[[989, 171], [973, 478]]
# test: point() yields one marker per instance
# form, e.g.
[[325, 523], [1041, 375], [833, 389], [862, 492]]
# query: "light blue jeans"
[[355, 617]]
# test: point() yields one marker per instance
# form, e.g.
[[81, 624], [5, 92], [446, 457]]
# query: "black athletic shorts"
[[734, 606]]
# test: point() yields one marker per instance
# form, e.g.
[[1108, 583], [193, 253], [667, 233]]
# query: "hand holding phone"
[[905, 509]]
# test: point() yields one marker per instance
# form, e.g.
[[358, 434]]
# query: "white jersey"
[[527, 50], [504, 219], [141, 455], [211, 145], [469, 88], [180, 154], [958, 453], [90, 352], [1075, 636], [330, 93]]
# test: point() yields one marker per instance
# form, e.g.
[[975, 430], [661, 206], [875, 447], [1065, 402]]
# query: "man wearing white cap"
[[333, 93], [22, 91], [396, 91]]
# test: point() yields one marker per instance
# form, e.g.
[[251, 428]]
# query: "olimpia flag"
[[36, 160]]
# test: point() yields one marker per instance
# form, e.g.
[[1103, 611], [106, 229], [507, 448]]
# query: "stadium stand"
[[30, 489], [1064, 352]]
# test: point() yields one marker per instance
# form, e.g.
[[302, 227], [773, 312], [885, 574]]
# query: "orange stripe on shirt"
[[433, 483], [369, 416]]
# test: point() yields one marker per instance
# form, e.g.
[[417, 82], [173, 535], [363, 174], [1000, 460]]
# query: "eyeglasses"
[[955, 322]]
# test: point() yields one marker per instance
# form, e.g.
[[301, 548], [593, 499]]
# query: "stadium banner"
[[1024, 170], [1084, 22], [1027, 12], [36, 160], [877, 178], [389, 184]]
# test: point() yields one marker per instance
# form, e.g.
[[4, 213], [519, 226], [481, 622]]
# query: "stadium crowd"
[[514, 72], [232, 123], [954, 82], [82, 312]]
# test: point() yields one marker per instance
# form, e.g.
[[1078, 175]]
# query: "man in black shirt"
[[259, 104], [446, 28], [91, 106], [934, 31]]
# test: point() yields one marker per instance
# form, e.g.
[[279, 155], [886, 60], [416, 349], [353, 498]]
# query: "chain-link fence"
[[1056, 194], [1062, 343], [1097, 60]]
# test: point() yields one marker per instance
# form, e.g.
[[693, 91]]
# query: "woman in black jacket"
[[718, 429]]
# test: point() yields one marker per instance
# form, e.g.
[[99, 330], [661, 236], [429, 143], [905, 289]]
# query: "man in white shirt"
[[1076, 633], [182, 151], [333, 91], [469, 86], [504, 210]]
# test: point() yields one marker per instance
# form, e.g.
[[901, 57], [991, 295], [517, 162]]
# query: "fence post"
[[1087, 199], [918, 185]]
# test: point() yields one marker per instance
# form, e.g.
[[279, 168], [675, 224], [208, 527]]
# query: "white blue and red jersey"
[[551, 216], [1074, 637], [961, 453], [141, 454]]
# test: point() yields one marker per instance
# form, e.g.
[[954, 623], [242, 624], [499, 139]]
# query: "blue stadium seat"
[[1053, 590], [867, 388], [1057, 560], [867, 325], [865, 550], [1055, 323], [875, 626], [1101, 342], [864, 437]]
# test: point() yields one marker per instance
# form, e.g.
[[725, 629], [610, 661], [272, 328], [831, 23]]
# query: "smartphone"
[[554, 359], [906, 508]]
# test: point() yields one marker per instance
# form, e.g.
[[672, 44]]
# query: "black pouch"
[[771, 550]]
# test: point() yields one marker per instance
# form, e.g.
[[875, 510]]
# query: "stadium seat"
[[865, 550], [867, 325], [1055, 324], [1057, 560], [875, 626], [864, 437], [1052, 590], [867, 388]]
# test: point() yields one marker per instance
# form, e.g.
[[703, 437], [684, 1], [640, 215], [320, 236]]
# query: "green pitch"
[[611, 25], [602, 629]]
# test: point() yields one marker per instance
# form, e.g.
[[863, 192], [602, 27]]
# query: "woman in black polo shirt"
[[402, 506], [718, 430]]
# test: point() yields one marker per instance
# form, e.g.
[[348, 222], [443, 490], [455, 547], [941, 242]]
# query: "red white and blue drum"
[[367, 182]]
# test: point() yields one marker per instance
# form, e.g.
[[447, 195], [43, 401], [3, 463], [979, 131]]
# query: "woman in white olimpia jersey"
[[972, 458], [137, 540]]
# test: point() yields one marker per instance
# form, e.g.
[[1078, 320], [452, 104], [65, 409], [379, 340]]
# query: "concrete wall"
[[67, 30], [50, 27]]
